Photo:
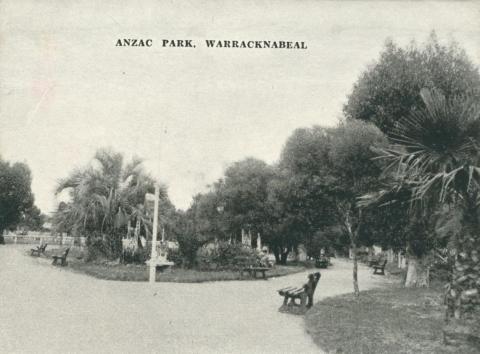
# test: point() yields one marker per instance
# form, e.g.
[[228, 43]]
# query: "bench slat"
[[286, 289]]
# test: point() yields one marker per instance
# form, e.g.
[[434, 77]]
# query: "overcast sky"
[[66, 90]]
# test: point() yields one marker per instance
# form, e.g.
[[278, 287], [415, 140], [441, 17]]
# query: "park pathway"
[[46, 309]]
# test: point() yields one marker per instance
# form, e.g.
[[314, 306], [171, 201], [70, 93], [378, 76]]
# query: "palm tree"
[[436, 152], [105, 197]]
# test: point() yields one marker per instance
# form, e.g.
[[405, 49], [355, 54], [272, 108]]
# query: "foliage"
[[122, 272], [233, 255], [354, 172], [297, 197], [329, 238], [105, 197], [437, 154], [388, 90], [139, 256], [237, 201], [175, 255], [16, 197], [243, 195], [96, 249], [32, 219]]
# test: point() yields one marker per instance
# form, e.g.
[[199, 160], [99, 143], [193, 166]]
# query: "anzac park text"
[[211, 43]]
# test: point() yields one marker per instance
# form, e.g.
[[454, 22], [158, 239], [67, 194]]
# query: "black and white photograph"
[[249, 176]]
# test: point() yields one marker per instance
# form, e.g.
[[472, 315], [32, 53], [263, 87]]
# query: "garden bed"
[[140, 272], [395, 320], [179, 275]]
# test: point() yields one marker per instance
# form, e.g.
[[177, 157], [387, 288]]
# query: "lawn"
[[140, 272], [394, 320]]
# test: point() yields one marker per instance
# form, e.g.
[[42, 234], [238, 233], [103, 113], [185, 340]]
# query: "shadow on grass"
[[395, 320]]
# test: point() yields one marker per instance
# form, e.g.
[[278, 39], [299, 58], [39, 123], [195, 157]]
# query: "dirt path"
[[49, 309]]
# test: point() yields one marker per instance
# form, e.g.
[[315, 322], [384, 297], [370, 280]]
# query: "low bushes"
[[139, 256], [221, 256], [232, 256]]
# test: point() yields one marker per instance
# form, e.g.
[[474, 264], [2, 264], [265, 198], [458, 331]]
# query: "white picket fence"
[[42, 238]]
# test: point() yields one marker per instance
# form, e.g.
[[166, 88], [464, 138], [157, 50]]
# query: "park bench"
[[304, 294], [62, 257], [322, 262], [380, 268], [373, 262], [252, 271], [38, 250]]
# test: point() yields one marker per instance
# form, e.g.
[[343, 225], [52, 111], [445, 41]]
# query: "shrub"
[[174, 255], [188, 244], [139, 256], [233, 256], [101, 246], [96, 249]]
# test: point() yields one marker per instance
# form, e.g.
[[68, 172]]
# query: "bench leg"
[[309, 300], [303, 302], [285, 301]]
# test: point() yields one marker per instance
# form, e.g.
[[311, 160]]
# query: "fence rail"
[[38, 237]]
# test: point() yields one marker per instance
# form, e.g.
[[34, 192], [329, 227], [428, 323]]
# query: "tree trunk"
[[356, 290], [284, 256], [463, 293], [276, 254], [418, 273], [353, 237]]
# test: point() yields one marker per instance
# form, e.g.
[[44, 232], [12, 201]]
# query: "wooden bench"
[[252, 271], [39, 250], [62, 257], [322, 262], [304, 294], [380, 268]]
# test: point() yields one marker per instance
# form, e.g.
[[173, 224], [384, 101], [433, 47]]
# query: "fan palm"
[[106, 196], [436, 152]]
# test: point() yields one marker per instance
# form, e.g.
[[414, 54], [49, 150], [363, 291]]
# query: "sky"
[[67, 90]]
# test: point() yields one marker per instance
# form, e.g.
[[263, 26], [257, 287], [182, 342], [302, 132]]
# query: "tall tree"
[[437, 152], [106, 196], [297, 195], [243, 196], [15, 194], [32, 219], [389, 89], [353, 173]]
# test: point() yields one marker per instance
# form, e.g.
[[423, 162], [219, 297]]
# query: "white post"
[[153, 256], [259, 242]]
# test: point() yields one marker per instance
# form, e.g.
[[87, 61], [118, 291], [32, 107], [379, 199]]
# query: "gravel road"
[[46, 309]]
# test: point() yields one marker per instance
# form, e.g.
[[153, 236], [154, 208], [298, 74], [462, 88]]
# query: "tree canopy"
[[106, 196], [16, 196], [389, 90]]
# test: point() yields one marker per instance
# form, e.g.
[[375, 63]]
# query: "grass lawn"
[[133, 272], [394, 320]]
